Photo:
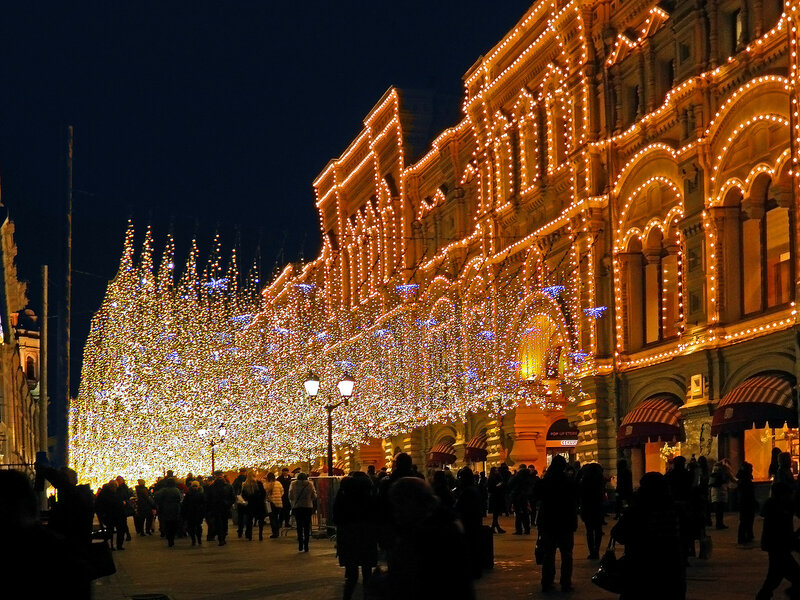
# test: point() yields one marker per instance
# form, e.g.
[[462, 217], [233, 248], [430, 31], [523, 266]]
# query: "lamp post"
[[221, 431], [345, 387]]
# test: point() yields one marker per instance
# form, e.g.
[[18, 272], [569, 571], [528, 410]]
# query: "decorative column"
[[725, 221], [529, 433]]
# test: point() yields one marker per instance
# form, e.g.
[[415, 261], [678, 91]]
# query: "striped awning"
[[656, 419], [476, 449], [756, 402], [442, 454]]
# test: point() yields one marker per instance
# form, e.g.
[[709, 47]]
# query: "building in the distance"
[[21, 431], [599, 258]]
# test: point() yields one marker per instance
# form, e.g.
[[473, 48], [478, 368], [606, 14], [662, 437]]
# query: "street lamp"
[[221, 431], [345, 387]]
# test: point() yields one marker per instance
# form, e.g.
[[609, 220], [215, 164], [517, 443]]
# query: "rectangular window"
[[751, 266], [778, 257]]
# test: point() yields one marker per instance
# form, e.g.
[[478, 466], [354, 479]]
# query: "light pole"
[[221, 431], [345, 387]]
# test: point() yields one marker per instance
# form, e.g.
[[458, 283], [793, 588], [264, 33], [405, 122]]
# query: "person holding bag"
[[302, 497], [274, 491]]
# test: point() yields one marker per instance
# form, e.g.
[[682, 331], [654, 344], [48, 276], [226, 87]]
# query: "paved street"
[[273, 569]]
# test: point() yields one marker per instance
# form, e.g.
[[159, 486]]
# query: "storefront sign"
[[569, 442]]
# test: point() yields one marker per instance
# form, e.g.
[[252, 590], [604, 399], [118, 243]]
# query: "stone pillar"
[[413, 446], [728, 272], [529, 432], [631, 300], [595, 417], [495, 444]]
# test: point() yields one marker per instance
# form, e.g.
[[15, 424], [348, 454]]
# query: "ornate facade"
[[21, 432], [609, 233]]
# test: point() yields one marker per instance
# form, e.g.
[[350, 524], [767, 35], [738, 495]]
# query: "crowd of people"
[[420, 529]]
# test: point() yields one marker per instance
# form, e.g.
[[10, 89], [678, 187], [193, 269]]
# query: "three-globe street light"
[[221, 431], [345, 387]]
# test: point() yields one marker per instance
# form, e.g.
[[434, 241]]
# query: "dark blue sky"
[[204, 115]]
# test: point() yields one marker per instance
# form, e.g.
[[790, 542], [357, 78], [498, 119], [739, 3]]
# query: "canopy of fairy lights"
[[172, 358]]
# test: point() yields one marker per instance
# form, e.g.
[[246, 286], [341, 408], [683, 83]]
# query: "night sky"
[[203, 117]]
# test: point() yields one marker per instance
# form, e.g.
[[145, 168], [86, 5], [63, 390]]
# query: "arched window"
[[765, 247], [653, 288], [30, 368]]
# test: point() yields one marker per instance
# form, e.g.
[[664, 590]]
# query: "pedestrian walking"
[[303, 499], [624, 487], [655, 558], [111, 514], [747, 503], [219, 501], [255, 495], [285, 479], [143, 516], [241, 512], [168, 502], [557, 522], [193, 509], [591, 493], [428, 543], [521, 491], [468, 510], [496, 491], [355, 517], [779, 540], [719, 482], [443, 490], [274, 491]]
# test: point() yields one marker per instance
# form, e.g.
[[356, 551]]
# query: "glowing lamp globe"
[[311, 384], [345, 386]]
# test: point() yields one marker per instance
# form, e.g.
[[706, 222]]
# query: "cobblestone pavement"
[[274, 569]]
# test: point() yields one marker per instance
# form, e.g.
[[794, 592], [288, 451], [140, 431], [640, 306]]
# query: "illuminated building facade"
[[607, 237], [21, 431]]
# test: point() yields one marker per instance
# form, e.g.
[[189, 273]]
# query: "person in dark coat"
[[241, 512], [73, 513], [496, 490], [256, 510], [655, 560], [285, 479], [557, 522], [778, 540], [774, 462], [355, 517], [36, 560], [521, 490], [168, 501], [429, 543], [702, 492], [468, 510], [402, 466], [125, 494], [111, 514], [218, 502], [193, 510], [143, 517], [624, 486], [679, 480], [442, 489], [591, 493], [747, 503]]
